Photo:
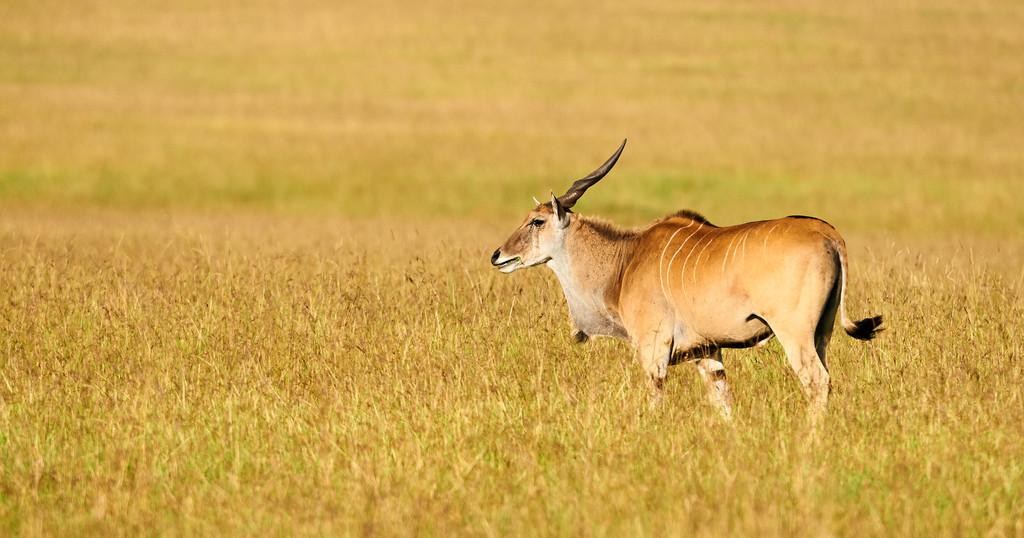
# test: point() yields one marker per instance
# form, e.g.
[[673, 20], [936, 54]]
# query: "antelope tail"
[[864, 329]]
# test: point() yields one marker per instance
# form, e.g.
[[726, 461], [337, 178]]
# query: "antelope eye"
[[537, 223]]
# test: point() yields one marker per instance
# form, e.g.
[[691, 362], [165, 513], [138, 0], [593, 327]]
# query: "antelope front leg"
[[653, 353], [712, 371]]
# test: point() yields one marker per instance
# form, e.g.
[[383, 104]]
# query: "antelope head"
[[541, 236]]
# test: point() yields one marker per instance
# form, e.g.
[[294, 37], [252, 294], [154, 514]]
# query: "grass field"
[[244, 285]]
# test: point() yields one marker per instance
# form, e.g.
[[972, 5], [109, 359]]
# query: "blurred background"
[[906, 117], [245, 289]]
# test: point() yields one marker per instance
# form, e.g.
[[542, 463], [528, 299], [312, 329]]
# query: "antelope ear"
[[561, 215]]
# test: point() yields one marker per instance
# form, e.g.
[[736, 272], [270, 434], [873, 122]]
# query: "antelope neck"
[[589, 269]]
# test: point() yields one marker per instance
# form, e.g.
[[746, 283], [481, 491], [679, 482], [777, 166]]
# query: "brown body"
[[684, 289]]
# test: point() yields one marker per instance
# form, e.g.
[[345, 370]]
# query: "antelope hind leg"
[[810, 370]]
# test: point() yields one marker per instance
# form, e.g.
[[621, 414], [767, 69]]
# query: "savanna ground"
[[244, 284]]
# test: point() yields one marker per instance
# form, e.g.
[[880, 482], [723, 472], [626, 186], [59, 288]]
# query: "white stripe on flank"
[[696, 263], [736, 251], [673, 259], [727, 249], [765, 246], [682, 272], [662, 259], [744, 241]]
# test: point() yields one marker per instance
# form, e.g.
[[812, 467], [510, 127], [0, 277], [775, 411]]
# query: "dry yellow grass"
[[244, 284], [286, 375]]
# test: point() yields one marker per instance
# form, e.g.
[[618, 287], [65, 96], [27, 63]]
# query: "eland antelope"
[[683, 289]]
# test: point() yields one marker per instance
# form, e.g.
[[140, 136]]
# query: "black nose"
[[494, 257]]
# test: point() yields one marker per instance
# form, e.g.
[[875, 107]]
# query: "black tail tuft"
[[865, 329]]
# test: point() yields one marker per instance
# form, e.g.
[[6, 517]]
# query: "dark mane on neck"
[[689, 214], [606, 229]]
